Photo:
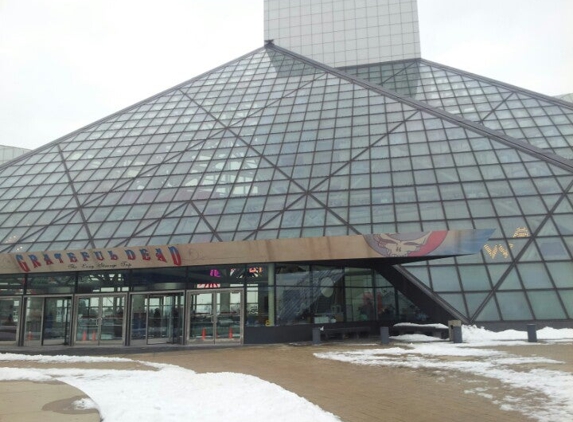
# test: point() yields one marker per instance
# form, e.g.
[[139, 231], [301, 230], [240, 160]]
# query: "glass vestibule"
[[47, 321], [215, 317], [99, 320], [157, 318]]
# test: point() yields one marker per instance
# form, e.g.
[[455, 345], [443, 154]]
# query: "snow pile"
[[473, 334], [414, 325], [416, 338]]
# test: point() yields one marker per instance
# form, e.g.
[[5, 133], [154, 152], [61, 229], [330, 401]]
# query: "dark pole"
[[531, 333], [384, 335]]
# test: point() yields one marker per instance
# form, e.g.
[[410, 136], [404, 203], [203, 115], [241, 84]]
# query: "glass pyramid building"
[[276, 146]]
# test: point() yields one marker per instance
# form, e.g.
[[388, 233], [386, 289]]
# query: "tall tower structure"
[[345, 32]]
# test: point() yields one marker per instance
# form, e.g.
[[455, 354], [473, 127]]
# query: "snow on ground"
[[160, 392], [545, 395], [473, 334], [170, 393]]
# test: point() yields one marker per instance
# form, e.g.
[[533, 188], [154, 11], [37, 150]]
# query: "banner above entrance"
[[431, 244]]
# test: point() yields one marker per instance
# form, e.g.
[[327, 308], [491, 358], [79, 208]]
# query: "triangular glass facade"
[[274, 146], [542, 121]]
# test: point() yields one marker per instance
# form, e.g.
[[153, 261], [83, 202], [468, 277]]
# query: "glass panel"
[[474, 300], [165, 314], [292, 275], [456, 301], [9, 319], [88, 315], [105, 281], [293, 305], [111, 320], [513, 306], [546, 305], [327, 295], [511, 281], [445, 279], [359, 303], [100, 320], [257, 305], [386, 298], [534, 276], [408, 312], [158, 279], [11, 285], [33, 321], [138, 318], [201, 318], [489, 312], [474, 278], [552, 249], [456, 210], [228, 326], [51, 283], [562, 274], [57, 321], [567, 297]]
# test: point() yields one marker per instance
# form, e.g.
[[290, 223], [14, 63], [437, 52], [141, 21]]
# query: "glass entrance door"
[[9, 321], [156, 318], [215, 317], [56, 328], [47, 321], [99, 320]]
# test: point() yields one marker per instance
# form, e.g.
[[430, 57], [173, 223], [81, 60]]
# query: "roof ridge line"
[[421, 106], [141, 102], [535, 94]]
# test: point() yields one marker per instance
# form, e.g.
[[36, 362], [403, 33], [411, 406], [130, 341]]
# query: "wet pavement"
[[355, 393]]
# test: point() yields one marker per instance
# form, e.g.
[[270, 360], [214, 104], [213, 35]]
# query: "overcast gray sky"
[[67, 63]]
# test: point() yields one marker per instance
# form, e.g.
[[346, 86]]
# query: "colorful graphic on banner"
[[432, 243]]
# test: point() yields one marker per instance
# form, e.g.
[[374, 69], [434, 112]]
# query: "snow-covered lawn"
[[159, 392], [545, 394]]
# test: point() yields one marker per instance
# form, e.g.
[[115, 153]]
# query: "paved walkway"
[[354, 393], [24, 401], [358, 393]]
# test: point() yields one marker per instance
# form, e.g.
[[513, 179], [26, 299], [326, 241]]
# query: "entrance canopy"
[[397, 247]]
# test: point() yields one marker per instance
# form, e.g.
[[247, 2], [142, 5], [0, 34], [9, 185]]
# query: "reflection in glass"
[[99, 320], [9, 322]]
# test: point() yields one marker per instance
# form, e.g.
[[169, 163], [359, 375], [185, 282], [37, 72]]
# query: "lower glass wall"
[[193, 305], [320, 295]]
